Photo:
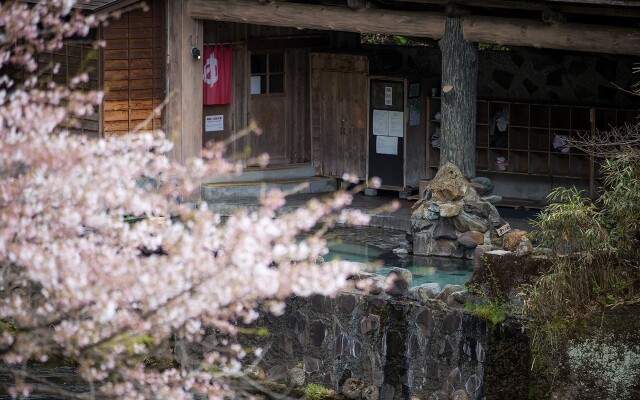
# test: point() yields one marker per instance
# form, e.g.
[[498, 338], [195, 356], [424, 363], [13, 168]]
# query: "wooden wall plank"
[[115, 54], [117, 95], [120, 84], [133, 68], [116, 74], [142, 83], [116, 64], [116, 125], [119, 115], [116, 105]]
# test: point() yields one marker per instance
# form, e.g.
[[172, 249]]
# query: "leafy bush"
[[596, 262]]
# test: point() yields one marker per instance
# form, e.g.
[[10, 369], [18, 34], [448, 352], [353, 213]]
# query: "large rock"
[[494, 199], [484, 184], [423, 218], [425, 291], [444, 230], [423, 243], [478, 188], [494, 216], [444, 248], [450, 210], [524, 247], [352, 388], [471, 195], [479, 208], [296, 377], [512, 239], [465, 222], [478, 255], [471, 239], [434, 211], [398, 281], [447, 291], [449, 184], [456, 299], [495, 239]]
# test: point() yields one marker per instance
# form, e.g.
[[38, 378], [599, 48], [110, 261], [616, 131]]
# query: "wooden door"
[[355, 120], [333, 123], [339, 114], [386, 141], [269, 112], [268, 105]]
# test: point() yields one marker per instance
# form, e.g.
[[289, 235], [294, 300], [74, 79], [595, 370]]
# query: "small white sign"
[[381, 122], [256, 84], [396, 123], [388, 96], [503, 229], [214, 123], [387, 145]]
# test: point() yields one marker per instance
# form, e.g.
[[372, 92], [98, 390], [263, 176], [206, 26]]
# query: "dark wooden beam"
[[575, 37], [491, 30], [626, 9], [306, 16]]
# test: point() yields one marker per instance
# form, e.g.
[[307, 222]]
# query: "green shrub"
[[318, 392], [595, 263]]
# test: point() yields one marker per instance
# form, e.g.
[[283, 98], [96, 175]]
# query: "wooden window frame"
[[267, 74]]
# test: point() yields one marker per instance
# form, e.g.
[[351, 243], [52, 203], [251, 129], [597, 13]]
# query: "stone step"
[[270, 173], [231, 190]]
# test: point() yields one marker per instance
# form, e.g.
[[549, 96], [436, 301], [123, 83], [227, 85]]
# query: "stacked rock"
[[452, 219]]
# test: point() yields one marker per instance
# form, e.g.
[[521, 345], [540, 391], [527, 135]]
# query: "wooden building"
[[327, 99]]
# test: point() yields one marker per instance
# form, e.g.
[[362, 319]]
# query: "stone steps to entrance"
[[255, 181]]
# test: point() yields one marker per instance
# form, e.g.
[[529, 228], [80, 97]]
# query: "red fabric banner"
[[216, 74]]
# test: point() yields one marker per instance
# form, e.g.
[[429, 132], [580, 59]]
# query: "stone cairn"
[[451, 219]]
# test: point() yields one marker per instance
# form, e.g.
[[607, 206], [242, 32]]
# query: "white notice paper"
[[381, 122], [213, 123], [396, 123], [255, 84], [387, 145], [388, 96]]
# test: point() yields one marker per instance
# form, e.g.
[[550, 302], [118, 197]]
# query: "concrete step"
[[232, 190], [270, 173]]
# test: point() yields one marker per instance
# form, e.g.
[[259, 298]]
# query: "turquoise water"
[[424, 269]]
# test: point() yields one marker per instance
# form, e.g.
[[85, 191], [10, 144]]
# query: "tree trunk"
[[459, 76]]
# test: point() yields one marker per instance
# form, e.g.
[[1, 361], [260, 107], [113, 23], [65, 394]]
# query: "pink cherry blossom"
[[99, 261]]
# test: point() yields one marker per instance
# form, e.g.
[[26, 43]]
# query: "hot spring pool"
[[381, 258]]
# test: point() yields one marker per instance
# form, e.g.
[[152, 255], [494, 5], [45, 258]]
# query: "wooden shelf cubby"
[[527, 142]]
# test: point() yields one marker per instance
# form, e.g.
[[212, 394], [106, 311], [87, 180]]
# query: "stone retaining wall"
[[393, 347]]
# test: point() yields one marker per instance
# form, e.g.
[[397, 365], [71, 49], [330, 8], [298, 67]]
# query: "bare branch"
[[611, 143]]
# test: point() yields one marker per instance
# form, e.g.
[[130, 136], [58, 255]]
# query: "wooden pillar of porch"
[[183, 118], [458, 103]]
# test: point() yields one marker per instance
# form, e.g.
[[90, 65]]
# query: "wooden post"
[[459, 77], [184, 82]]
